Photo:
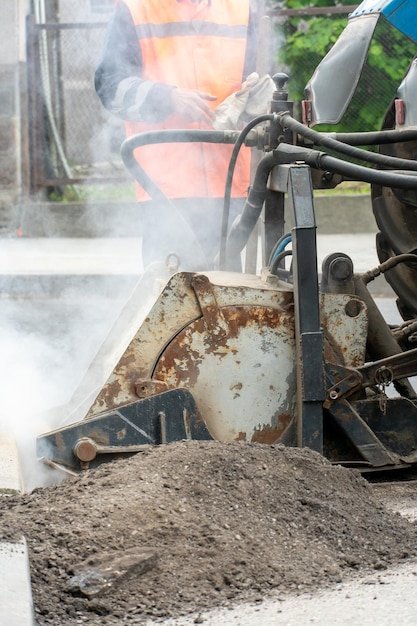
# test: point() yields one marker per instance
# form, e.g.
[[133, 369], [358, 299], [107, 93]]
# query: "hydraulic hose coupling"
[[280, 104]]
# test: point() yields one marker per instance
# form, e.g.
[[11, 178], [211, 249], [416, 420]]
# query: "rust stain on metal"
[[145, 388], [236, 388], [179, 364], [127, 359], [121, 434], [332, 352], [60, 442], [109, 393], [99, 436], [198, 422], [271, 434], [212, 314]]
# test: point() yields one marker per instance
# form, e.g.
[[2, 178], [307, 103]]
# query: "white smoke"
[[83, 262], [50, 336], [49, 339]]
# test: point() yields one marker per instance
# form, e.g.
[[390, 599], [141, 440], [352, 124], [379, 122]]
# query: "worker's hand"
[[192, 105], [240, 107]]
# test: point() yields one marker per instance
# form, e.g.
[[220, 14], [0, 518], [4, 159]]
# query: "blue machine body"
[[399, 13]]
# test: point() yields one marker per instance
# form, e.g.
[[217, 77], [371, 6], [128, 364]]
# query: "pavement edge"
[[16, 604]]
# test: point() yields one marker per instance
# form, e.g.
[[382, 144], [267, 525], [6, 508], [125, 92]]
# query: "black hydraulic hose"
[[367, 277], [167, 136], [151, 188], [288, 153], [229, 178], [243, 226], [321, 139], [374, 138]]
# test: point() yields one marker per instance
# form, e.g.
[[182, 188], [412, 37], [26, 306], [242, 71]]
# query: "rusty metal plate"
[[345, 320], [175, 308], [244, 383], [234, 349]]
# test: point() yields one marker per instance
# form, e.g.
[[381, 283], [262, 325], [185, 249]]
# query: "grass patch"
[[124, 192]]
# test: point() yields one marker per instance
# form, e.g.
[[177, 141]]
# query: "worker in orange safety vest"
[[167, 64]]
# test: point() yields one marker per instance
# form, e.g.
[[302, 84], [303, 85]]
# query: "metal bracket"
[[342, 380], [169, 416], [213, 318], [391, 368], [308, 332], [361, 435]]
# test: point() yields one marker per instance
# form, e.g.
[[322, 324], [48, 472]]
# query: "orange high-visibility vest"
[[193, 45]]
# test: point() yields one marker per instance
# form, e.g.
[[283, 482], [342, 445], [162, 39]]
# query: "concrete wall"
[[335, 214]]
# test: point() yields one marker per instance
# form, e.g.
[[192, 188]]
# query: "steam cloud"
[[48, 343], [49, 338]]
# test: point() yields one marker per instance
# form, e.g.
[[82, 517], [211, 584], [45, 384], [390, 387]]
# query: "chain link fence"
[[73, 140]]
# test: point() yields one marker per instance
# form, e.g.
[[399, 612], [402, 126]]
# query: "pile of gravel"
[[193, 525]]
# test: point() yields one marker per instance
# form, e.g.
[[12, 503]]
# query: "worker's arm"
[[124, 93], [117, 78]]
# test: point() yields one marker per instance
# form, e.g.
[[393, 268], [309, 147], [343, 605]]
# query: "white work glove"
[[251, 100]]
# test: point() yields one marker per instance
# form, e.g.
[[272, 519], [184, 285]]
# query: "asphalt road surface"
[[376, 600]]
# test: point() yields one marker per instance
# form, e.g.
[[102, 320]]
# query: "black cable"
[[276, 246], [287, 154], [151, 188], [167, 136], [229, 179], [243, 226], [275, 264]]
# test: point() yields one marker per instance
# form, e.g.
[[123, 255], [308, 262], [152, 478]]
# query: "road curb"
[[16, 605], [335, 213]]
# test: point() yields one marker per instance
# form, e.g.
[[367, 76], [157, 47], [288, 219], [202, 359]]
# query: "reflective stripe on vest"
[[180, 29], [194, 47]]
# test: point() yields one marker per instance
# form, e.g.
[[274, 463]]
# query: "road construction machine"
[[292, 353]]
